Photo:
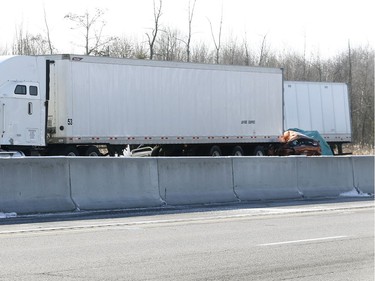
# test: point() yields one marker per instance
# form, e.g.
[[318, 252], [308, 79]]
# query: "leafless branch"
[[154, 32], [217, 42]]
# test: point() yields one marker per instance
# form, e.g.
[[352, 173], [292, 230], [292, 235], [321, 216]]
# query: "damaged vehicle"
[[295, 143]]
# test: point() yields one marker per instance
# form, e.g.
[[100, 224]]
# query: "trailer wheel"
[[92, 151], [70, 151], [259, 151], [238, 151], [215, 151]]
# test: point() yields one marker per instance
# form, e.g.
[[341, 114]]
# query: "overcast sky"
[[325, 26]]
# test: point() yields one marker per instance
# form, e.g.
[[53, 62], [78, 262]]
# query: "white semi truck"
[[319, 106], [76, 105]]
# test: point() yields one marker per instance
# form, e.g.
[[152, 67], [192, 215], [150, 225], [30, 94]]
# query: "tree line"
[[354, 66]]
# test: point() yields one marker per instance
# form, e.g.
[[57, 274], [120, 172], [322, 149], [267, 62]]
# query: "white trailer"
[[71, 104], [319, 106]]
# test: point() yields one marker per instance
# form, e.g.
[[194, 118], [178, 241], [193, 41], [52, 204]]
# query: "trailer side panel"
[[103, 100]]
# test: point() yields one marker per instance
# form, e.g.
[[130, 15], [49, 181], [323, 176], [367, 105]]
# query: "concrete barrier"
[[35, 185], [196, 180], [112, 183], [55, 184], [326, 176], [363, 169], [265, 178]]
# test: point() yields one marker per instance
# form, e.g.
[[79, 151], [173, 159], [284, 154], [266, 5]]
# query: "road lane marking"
[[303, 241]]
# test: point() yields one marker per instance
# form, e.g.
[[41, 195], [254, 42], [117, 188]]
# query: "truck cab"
[[22, 107]]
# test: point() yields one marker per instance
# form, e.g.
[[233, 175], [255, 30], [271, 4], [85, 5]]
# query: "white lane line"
[[303, 241]]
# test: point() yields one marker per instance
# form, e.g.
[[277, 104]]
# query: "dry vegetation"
[[356, 149]]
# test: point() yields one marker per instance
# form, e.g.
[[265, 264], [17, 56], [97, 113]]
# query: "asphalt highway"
[[330, 240]]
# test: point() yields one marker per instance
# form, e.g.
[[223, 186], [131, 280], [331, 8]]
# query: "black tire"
[[69, 151], [259, 151], [215, 151], [92, 151], [237, 151]]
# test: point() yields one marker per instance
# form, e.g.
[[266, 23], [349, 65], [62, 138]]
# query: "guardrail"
[[56, 184]]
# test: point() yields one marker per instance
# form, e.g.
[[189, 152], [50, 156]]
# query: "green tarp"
[[326, 149]]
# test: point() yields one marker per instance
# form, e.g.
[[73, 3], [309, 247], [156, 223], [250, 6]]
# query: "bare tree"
[[140, 51], [263, 51], [191, 9], [121, 48], [50, 47], [201, 54], [92, 26], [29, 44], [247, 51], [317, 65], [128, 48], [350, 66], [154, 32], [304, 57], [234, 53], [217, 42], [169, 46], [361, 77]]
